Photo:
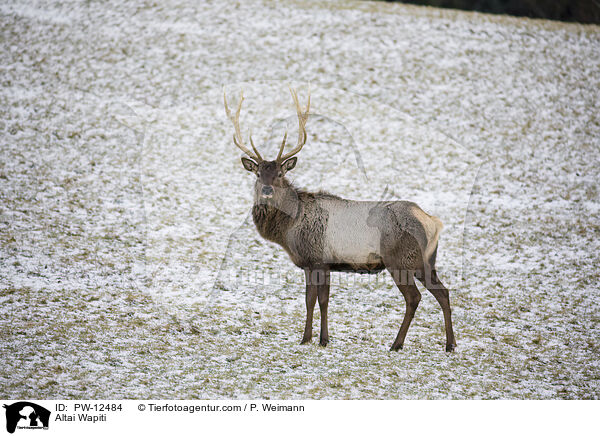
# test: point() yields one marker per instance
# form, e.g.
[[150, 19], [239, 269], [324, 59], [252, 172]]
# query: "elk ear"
[[250, 165], [289, 164]]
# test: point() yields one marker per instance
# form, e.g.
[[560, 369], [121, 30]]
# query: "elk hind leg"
[[441, 294], [412, 296]]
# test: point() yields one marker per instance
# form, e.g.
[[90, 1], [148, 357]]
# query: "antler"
[[302, 119], [237, 136]]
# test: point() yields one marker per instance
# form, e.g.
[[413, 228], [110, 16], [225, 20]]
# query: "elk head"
[[269, 172]]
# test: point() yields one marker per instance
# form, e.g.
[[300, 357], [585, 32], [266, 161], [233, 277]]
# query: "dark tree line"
[[582, 11]]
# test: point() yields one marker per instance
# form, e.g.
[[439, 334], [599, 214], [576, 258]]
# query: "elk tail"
[[432, 237]]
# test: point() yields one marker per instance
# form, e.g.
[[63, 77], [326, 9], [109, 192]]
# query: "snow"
[[129, 266]]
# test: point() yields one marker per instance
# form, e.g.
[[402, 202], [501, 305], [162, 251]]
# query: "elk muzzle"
[[266, 191]]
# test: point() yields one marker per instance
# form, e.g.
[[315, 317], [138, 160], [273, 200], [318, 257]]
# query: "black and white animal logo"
[[24, 414]]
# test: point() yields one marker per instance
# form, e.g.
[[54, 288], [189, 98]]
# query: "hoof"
[[323, 342], [450, 347], [305, 341], [396, 347]]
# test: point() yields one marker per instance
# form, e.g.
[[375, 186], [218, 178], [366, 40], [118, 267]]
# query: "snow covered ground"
[[124, 214]]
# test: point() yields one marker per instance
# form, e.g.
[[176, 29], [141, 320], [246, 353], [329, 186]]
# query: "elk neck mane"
[[273, 221]]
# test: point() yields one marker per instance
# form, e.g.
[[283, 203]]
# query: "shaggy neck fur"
[[274, 216]]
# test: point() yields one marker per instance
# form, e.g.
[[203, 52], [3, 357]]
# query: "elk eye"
[[279, 174]]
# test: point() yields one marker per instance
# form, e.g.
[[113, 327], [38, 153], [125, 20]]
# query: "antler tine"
[[302, 119], [237, 136], [255, 150], [281, 147]]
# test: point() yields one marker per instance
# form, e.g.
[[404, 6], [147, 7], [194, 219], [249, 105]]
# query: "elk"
[[323, 233]]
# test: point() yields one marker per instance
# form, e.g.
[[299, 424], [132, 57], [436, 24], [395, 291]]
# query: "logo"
[[26, 415]]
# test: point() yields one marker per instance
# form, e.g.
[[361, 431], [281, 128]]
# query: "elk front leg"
[[311, 299], [323, 294]]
